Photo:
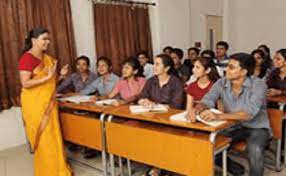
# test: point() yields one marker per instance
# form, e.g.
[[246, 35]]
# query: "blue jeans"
[[256, 140]]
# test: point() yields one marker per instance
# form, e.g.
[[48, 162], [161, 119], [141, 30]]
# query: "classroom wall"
[[199, 9], [257, 21]]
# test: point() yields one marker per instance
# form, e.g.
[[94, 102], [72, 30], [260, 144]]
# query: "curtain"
[[121, 31], [17, 17]]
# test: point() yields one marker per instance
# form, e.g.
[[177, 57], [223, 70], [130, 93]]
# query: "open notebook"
[[182, 117], [141, 109], [76, 99], [106, 102]]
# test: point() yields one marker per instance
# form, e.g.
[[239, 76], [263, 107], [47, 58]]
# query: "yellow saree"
[[40, 114]]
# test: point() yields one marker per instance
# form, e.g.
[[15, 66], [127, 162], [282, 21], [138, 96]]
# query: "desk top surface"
[[155, 117]]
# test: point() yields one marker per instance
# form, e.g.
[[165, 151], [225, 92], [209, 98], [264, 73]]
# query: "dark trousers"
[[256, 140]]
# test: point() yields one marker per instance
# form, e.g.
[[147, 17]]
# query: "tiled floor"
[[17, 161]]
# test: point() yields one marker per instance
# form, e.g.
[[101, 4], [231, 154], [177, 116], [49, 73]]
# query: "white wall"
[[11, 128], [199, 9], [82, 15], [257, 21]]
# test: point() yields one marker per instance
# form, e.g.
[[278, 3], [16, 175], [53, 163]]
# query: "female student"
[[131, 84], [163, 87], [39, 106], [277, 79], [206, 73], [262, 65]]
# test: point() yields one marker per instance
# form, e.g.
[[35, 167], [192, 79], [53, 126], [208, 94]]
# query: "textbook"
[[182, 117], [141, 109], [76, 99], [105, 102]]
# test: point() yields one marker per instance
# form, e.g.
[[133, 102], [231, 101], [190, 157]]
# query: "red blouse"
[[28, 62], [195, 91]]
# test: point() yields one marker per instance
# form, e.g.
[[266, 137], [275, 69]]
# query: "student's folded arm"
[[90, 88], [145, 93], [114, 91], [239, 116], [64, 84], [177, 96], [190, 102], [210, 99]]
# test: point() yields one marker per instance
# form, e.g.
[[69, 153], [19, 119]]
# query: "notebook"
[[182, 118], [141, 109], [106, 102], [76, 99]]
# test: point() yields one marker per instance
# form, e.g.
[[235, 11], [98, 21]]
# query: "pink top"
[[129, 90]]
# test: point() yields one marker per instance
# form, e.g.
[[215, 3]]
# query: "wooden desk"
[[156, 140], [85, 130], [164, 118]]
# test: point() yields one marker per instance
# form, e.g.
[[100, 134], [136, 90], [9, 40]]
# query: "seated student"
[[163, 87], [193, 53], [211, 54], [131, 84], [183, 71], [206, 73], [221, 58], [262, 65], [277, 79], [167, 50], [143, 58], [244, 100], [266, 51], [106, 80], [80, 79]]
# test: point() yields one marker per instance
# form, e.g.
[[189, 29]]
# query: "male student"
[[221, 58], [244, 100]]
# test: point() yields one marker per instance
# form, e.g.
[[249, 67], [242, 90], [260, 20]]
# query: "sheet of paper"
[[141, 109], [76, 99], [182, 118], [106, 102]]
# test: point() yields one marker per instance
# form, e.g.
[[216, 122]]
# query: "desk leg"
[[111, 156], [103, 152], [129, 167]]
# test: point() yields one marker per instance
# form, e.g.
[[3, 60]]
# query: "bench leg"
[[129, 167], [278, 156], [224, 162], [120, 165]]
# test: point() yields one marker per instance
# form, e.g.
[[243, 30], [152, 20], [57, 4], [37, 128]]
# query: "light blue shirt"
[[251, 99], [99, 85]]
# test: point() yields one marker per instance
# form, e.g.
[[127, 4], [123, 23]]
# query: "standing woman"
[[39, 106]]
